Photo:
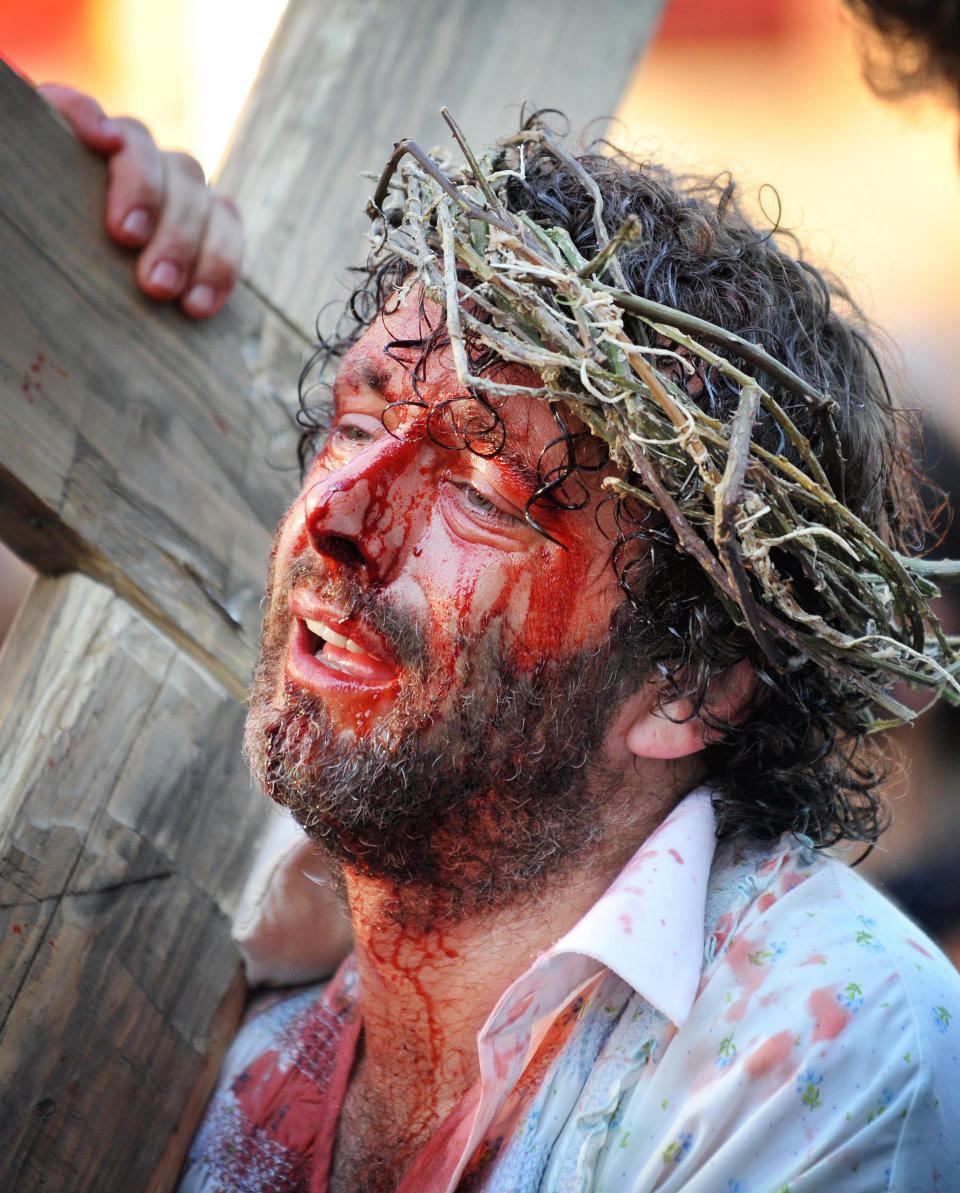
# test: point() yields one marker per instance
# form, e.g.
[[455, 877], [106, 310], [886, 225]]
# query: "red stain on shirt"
[[830, 1018], [791, 881], [626, 923], [919, 948], [637, 863], [503, 1060], [772, 1054], [745, 958], [676, 857], [813, 959]]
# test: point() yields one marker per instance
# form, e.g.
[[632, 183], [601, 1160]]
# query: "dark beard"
[[461, 803]]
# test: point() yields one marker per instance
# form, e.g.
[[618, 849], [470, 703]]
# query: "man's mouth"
[[327, 653], [328, 634]]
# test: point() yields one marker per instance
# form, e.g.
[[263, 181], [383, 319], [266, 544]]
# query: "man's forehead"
[[389, 364], [360, 372], [395, 346]]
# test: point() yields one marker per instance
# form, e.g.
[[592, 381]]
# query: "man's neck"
[[427, 991], [429, 983]]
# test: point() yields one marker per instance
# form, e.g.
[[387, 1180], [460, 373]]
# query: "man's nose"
[[358, 516]]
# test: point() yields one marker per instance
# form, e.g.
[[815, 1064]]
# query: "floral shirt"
[[743, 1018]]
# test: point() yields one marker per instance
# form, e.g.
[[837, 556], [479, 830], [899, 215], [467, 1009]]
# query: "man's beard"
[[462, 800]]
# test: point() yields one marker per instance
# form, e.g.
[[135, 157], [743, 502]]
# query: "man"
[[584, 610]]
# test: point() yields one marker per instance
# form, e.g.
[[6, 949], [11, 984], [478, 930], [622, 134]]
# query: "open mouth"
[[324, 635], [325, 654]]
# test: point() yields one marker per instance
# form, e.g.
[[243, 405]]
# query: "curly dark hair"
[[910, 45], [799, 762]]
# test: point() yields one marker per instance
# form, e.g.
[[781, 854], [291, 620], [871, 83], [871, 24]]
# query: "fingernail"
[[137, 224], [165, 276], [109, 128], [200, 299]]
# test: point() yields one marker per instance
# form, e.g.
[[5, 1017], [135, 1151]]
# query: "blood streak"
[[790, 881], [676, 857], [771, 1055], [830, 1018], [503, 1059], [404, 957], [750, 976]]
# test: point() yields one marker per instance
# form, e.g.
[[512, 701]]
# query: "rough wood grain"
[[143, 450], [344, 79], [134, 445], [125, 822]]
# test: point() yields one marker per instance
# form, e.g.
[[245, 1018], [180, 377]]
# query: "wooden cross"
[[143, 463]]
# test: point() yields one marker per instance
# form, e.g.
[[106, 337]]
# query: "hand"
[[189, 236]]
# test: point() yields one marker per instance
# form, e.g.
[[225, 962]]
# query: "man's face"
[[428, 656]]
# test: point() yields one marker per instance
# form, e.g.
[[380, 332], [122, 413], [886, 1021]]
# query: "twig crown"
[[752, 519]]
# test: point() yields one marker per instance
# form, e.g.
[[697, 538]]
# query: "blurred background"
[[770, 89]]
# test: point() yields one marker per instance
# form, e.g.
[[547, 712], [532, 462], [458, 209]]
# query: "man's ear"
[[669, 731]]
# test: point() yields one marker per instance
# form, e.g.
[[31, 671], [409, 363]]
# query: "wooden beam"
[[344, 79], [153, 453], [125, 827], [146, 451]]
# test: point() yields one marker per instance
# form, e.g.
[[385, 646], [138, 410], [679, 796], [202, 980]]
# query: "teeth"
[[329, 661], [331, 636], [324, 632]]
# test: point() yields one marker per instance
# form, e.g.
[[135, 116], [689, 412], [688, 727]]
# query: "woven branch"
[[752, 519]]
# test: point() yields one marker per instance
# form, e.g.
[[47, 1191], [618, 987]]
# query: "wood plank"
[[126, 821], [142, 449], [344, 79], [135, 445]]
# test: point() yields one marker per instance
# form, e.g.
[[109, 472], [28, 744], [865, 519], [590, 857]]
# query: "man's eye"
[[476, 499], [483, 505], [351, 433]]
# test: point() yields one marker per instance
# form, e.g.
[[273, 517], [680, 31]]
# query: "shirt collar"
[[647, 927]]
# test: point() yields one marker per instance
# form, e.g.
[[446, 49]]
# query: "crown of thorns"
[[752, 519]]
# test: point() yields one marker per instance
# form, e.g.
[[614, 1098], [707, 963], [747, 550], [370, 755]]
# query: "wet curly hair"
[[800, 761], [910, 45]]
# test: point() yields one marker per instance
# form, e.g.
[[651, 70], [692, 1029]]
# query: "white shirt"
[[754, 1018]]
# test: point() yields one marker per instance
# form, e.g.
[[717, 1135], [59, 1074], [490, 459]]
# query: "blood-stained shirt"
[[742, 1018]]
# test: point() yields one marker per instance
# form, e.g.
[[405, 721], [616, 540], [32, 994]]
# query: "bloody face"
[[435, 672]]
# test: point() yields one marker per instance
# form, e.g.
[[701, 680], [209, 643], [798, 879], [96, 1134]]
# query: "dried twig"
[[754, 520]]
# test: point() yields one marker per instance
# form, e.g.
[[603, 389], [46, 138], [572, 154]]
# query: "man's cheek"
[[289, 534], [411, 593], [561, 612], [502, 591], [480, 600]]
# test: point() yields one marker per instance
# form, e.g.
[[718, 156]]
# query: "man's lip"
[[329, 652], [306, 607]]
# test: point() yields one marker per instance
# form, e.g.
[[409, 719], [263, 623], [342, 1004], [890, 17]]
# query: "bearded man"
[[594, 590], [555, 674]]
